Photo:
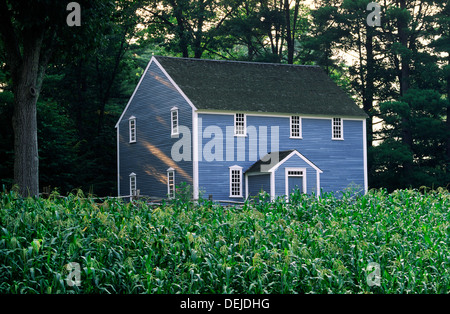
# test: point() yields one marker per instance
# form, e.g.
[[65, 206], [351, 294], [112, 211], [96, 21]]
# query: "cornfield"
[[309, 245]]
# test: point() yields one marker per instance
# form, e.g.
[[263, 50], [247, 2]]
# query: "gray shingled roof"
[[259, 87], [256, 167]]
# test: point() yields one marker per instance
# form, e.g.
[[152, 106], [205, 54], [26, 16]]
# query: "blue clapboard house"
[[233, 129]]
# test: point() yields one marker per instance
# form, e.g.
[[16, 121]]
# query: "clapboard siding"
[[341, 161], [150, 157], [258, 183], [294, 162]]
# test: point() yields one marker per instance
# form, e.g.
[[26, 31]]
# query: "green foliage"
[[311, 245], [421, 112], [6, 137]]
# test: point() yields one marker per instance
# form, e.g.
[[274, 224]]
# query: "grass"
[[311, 245]]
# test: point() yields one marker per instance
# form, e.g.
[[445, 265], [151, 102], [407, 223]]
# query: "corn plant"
[[308, 245]]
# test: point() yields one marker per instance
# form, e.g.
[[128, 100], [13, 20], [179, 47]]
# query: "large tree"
[[28, 30], [32, 33], [187, 27]]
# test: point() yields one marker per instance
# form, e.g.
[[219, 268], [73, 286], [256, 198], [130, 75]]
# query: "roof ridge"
[[238, 61]]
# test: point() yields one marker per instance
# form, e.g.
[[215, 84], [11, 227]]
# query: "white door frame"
[[286, 178]]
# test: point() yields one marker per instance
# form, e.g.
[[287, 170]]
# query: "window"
[[239, 124], [235, 181], [132, 127], [174, 119], [171, 183], [296, 127], [295, 173], [337, 129], [133, 184]]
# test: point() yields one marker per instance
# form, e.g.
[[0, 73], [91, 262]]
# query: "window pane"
[[295, 126], [171, 184], [174, 121], [239, 124], [235, 183], [132, 126], [337, 128]]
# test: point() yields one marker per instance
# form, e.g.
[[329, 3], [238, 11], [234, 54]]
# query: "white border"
[[172, 133], [195, 154], [170, 170], [132, 175], [236, 167], [130, 139], [366, 182], [300, 131], [342, 129], [118, 162], [276, 114], [245, 126], [286, 179], [153, 59], [295, 152]]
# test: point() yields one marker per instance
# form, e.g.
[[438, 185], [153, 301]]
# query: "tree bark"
[[26, 64], [27, 82], [405, 83], [369, 88]]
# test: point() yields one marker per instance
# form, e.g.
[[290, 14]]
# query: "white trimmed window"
[[296, 127], [239, 124], [171, 182], [337, 129], [132, 128], [235, 181], [133, 185], [174, 121]]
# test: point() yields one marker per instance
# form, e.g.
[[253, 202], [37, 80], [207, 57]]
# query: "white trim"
[[366, 183], [246, 185], [132, 119], [300, 133], [173, 83], [245, 125], [133, 176], [275, 114], [286, 179], [272, 186], [118, 162], [295, 152], [169, 195], [134, 92], [231, 169], [153, 59], [195, 154], [318, 183], [172, 133], [341, 138]]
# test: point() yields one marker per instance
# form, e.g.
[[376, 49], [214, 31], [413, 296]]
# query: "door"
[[295, 183], [295, 179]]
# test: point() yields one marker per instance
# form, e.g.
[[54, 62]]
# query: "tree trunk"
[[27, 81], [404, 84], [289, 36], [369, 88], [26, 158]]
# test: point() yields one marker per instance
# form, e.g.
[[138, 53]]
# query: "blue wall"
[[341, 161], [257, 183], [295, 161], [150, 156]]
